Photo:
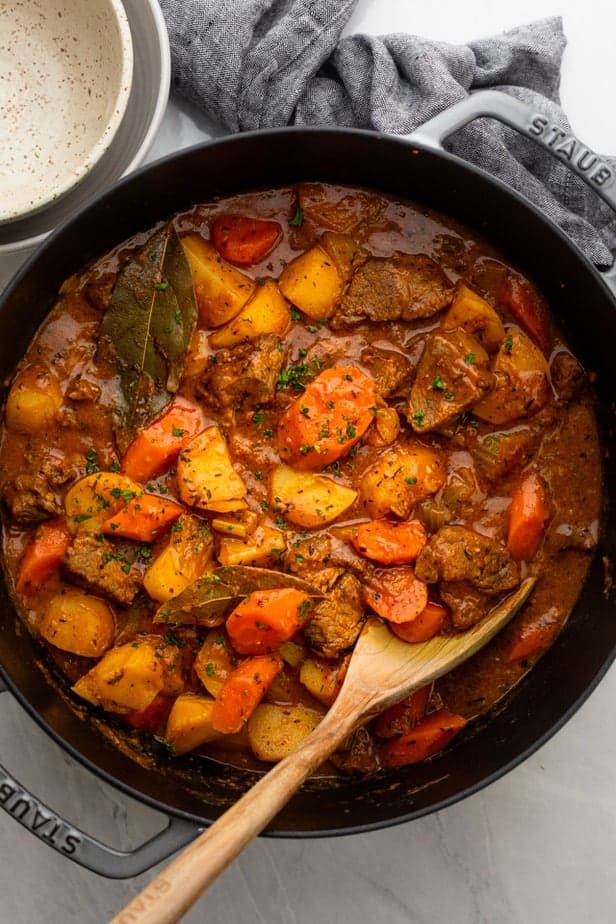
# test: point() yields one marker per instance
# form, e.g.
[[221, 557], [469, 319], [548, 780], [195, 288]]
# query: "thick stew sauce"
[[243, 432]]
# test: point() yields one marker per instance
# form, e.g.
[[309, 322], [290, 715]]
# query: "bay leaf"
[[207, 600], [148, 325]]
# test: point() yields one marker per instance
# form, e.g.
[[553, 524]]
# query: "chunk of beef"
[[452, 376], [391, 371], [247, 372], [92, 560], [456, 553], [32, 494], [498, 454], [406, 286], [568, 376], [358, 754], [323, 559], [336, 621], [467, 605], [81, 389]]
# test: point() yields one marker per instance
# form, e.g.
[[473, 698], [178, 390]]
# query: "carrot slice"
[[535, 637], [423, 627], [154, 449], [152, 717], [423, 740], [390, 543], [528, 517], [242, 692], [525, 306], [244, 240], [326, 421], [396, 595], [43, 555], [400, 718], [267, 618], [145, 518]]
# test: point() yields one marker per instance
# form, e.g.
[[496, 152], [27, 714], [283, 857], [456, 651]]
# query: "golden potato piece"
[[78, 622], [261, 548], [472, 313], [267, 312], [213, 663], [186, 556], [206, 477], [221, 290], [522, 381], [95, 498], [34, 400], [190, 723], [401, 477], [308, 499], [312, 283], [128, 677], [275, 731]]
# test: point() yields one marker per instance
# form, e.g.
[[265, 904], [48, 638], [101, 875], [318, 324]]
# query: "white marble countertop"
[[538, 846]]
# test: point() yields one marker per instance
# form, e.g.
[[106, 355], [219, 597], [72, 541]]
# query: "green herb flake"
[[161, 286], [298, 218], [438, 384], [469, 359], [177, 431], [210, 669], [418, 417], [509, 343]]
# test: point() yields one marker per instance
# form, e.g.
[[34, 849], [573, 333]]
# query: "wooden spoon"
[[382, 671]]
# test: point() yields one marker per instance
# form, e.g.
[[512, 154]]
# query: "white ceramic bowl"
[[67, 68], [144, 113]]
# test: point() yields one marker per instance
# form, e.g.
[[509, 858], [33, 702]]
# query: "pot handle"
[[74, 843], [493, 104]]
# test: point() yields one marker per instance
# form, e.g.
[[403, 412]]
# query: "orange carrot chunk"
[[525, 306], [390, 543], [528, 517], [424, 740], [144, 518], [536, 637], [400, 718], [244, 240], [327, 419], [267, 618], [425, 626], [242, 692], [396, 595], [154, 449], [43, 555]]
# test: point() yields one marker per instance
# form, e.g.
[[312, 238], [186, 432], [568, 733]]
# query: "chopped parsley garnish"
[[257, 418], [91, 462], [509, 343], [418, 417], [411, 480], [210, 669], [161, 286], [298, 218], [469, 359], [114, 467], [295, 376], [177, 431], [438, 384], [295, 314], [448, 396]]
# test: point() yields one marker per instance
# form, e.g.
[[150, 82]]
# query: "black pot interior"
[[570, 669]]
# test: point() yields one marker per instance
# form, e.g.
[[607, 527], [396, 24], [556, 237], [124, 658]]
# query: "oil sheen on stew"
[[320, 382]]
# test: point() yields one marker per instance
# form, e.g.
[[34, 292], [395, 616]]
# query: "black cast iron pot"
[[192, 793]]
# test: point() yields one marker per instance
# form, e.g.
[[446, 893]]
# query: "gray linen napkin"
[[261, 63]]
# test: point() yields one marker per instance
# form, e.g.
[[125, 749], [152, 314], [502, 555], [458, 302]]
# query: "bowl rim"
[[92, 157]]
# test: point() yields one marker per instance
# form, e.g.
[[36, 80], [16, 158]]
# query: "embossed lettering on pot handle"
[[74, 843], [598, 174]]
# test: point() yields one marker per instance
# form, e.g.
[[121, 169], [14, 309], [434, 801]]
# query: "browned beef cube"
[[391, 371], [456, 553], [403, 286], [94, 562], [466, 604], [358, 754], [337, 621], [567, 376], [247, 372], [32, 495], [452, 376]]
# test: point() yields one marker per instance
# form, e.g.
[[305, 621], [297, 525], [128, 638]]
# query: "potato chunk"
[[267, 312], [95, 498], [308, 499], [214, 663], [401, 477], [261, 548], [275, 731], [128, 677], [221, 290], [473, 314], [206, 477], [78, 622], [186, 556], [34, 400], [522, 381], [322, 679], [313, 283], [190, 723]]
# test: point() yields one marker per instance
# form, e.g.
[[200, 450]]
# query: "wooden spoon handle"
[[179, 885]]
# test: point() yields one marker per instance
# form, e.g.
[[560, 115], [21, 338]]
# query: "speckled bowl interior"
[[67, 70]]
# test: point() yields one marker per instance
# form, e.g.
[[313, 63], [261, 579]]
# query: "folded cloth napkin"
[[261, 63]]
